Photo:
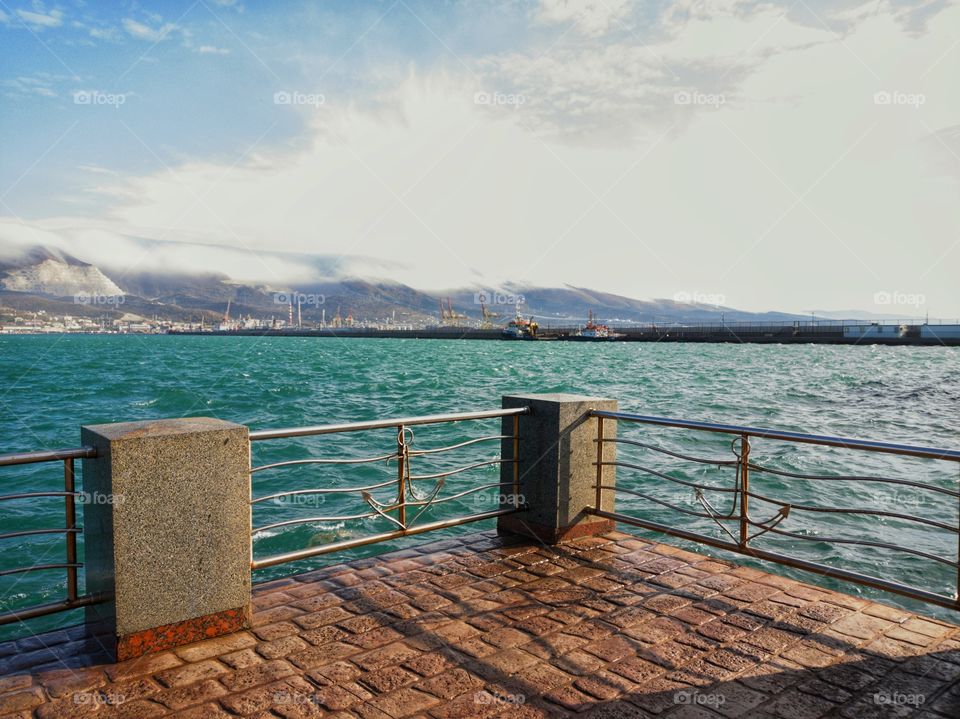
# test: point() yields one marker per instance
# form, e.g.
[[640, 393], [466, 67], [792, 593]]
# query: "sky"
[[761, 155]]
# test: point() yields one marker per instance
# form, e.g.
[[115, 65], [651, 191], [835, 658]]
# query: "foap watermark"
[[700, 298], [504, 499], [895, 97], [295, 97], [900, 500], [299, 299], [508, 99], [499, 698], [287, 698], [100, 498], [694, 97], [695, 698], [95, 97], [899, 699], [898, 298], [93, 298], [307, 499], [97, 698], [483, 297]]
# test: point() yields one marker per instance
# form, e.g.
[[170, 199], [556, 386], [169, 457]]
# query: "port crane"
[[448, 315], [486, 323]]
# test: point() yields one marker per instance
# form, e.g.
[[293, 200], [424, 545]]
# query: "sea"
[[50, 385]]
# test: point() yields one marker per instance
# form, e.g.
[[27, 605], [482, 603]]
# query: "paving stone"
[[479, 627], [387, 679], [199, 693], [190, 673], [795, 704], [257, 674], [215, 647], [449, 684]]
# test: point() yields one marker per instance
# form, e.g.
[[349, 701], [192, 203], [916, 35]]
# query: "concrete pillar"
[[557, 470], [167, 532]]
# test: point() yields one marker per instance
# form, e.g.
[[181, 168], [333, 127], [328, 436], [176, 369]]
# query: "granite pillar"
[[167, 532], [557, 469]]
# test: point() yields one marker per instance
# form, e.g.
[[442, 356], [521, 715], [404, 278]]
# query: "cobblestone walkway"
[[482, 626]]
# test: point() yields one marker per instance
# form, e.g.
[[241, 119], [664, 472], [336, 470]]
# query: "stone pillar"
[[557, 470], [167, 532]]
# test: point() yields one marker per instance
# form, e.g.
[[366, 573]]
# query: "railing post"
[[598, 501], [557, 472], [744, 490], [401, 468], [167, 532], [69, 486]]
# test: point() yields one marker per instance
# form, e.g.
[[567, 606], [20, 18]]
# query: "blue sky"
[[592, 143], [222, 61]]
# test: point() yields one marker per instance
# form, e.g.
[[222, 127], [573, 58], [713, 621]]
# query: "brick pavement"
[[484, 626]]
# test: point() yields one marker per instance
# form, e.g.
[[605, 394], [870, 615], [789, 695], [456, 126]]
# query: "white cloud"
[[145, 32], [39, 20], [798, 191], [103, 33], [589, 17], [212, 50]]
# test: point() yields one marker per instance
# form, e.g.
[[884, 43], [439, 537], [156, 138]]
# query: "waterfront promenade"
[[482, 626]]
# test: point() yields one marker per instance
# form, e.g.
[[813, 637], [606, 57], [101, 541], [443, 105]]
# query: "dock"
[[557, 612], [818, 332], [484, 626]]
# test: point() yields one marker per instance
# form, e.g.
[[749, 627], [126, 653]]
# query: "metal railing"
[[745, 528], [70, 530], [405, 504]]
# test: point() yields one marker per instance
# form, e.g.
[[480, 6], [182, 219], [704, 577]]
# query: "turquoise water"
[[50, 385]]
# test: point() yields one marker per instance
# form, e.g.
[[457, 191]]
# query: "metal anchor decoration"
[[405, 488]]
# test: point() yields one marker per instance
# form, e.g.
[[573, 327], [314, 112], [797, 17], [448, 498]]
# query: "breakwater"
[[839, 333]]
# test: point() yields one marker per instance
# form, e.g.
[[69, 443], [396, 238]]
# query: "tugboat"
[[520, 328], [593, 331]]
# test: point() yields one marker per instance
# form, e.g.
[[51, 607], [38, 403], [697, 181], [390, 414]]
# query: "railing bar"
[[654, 472], [823, 570], [292, 462], [430, 502], [853, 478], [41, 610], [421, 477], [701, 460], [29, 495], [313, 520], [51, 455], [657, 501], [29, 532], [263, 434], [345, 490], [373, 539], [867, 512], [857, 542], [36, 568], [420, 503], [434, 450], [825, 440], [758, 468]]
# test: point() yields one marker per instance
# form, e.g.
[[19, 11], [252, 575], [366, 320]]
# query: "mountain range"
[[48, 278]]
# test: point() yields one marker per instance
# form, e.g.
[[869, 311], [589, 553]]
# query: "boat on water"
[[595, 332], [521, 328]]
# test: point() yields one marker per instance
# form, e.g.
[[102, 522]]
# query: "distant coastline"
[[838, 333]]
